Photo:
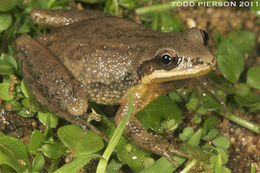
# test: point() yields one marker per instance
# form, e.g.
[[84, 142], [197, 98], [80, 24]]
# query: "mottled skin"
[[91, 56]]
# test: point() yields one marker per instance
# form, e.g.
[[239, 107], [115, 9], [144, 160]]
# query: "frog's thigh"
[[50, 82], [59, 18]]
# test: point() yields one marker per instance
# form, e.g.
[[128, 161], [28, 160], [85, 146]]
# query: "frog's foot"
[[157, 145], [61, 18], [50, 82]]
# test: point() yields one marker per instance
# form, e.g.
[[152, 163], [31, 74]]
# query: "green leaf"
[[25, 89], [195, 139], [158, 111], [242, 89], [192, 104], [175, 96], [128, 4], [5, 94], [77, 164], [222, 142], [36, 140], [218, 164], [30, 104], [186, 134], [5, 21], [209, 124], [166, 22], [8, 64], [133, 156], [114, 166], [81, 143], [244, 40], [38, 163], [13, 153], [230, 60], [10, 59], [6, 68], [6, 5], [211, 134], [110, 8], [26, 113], [53, 118], [12, 105], [53, 151], [252, 168], [161, 165], [209, 102], [25, 28], [253, 77], [38, 4], [249, 100]]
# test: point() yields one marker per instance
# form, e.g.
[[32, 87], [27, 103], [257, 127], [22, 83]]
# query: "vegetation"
[[237, 88]]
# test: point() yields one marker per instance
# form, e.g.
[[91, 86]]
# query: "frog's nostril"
[[205, 37]]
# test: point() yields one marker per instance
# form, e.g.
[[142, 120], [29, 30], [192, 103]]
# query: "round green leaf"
[[6, 5], [53, 151], [230, 60], [132, 156], [26, 113], [30, 104], [242, 89], [10, 59], [192, 104], [38, 163], [249, 100], [5, 21], [222, 142], [13, 153], [186, 134], [158, 111], [36, 140], [53, 118], [253, 77], [4, 92], [244, 40], [6, 68], [209, 124], [81, 143]]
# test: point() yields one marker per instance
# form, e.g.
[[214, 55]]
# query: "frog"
[[90, 56]]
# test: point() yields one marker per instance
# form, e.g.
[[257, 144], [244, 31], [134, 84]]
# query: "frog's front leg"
[[136, 131], [50, 82]]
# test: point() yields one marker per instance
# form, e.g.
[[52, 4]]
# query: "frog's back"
[[101, 54]]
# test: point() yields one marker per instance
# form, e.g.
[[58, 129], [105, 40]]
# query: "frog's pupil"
[[166, 59]]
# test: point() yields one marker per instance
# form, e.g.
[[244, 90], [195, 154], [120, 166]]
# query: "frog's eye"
[[166, 59]]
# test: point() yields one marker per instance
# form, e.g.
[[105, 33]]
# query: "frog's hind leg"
[[50, 82], [61, 18]]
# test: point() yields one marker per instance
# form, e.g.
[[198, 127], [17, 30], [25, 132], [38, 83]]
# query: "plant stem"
[[189, 166], [115, 138], [247, 124]]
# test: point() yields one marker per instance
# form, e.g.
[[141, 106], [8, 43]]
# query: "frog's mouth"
[[186, 68]]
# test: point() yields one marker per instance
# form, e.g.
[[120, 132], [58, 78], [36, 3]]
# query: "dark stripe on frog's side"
[[149, 66]]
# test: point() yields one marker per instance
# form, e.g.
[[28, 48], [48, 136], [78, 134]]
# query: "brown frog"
[[91, 56]]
